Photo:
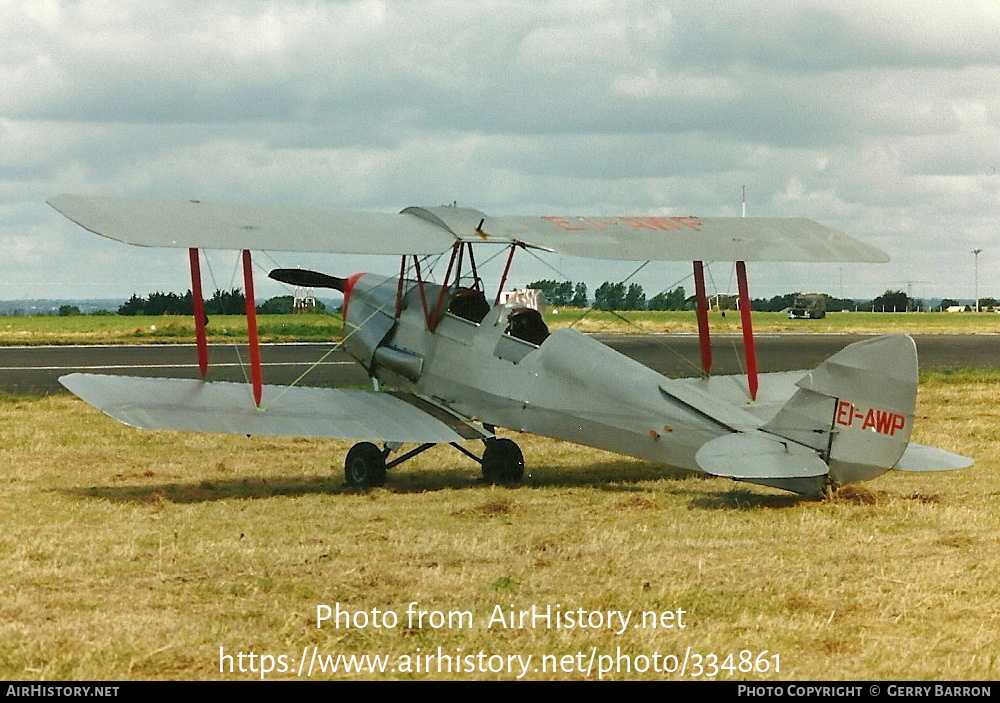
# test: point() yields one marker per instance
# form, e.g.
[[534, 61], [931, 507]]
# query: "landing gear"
[[503, 462], [364, 466]]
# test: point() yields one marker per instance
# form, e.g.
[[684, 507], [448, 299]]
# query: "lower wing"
[[197, 406]]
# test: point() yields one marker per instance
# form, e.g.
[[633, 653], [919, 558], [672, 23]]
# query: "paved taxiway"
[[37, 369]]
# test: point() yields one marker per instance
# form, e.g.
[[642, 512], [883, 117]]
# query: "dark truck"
[[808, 306]]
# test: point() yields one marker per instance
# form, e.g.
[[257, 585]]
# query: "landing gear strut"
[[366, 464]]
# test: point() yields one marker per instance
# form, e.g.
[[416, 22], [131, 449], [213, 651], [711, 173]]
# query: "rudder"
[[856, 408]]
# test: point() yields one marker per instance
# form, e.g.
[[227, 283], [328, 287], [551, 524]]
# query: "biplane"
[[460, 365]]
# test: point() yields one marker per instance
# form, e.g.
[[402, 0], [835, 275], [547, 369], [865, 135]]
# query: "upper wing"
[[196, 406], [191, 223], [690, 238], [432, 230]]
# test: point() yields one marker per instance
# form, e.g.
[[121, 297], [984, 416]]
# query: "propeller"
[[308, 279]]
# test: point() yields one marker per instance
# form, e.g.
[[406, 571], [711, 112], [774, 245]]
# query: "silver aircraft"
[[461, 365]]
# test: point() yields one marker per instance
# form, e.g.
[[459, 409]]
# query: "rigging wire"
[[732, 338], [234, 345], [431, 279], [659, 341], [334, 348]]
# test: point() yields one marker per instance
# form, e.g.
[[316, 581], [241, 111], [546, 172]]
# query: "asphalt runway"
[[35, 370]]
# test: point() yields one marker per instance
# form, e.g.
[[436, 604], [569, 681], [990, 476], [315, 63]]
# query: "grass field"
[[136, 555], [172, 329], [166, 329], [771, 322]]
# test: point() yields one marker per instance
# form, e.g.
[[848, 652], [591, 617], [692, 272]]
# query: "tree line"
[[609, 296], [619, 296], [900, 301], [222, 302], [784, 301]]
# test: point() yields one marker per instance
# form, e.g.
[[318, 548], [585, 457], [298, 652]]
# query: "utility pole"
[[976, 253]]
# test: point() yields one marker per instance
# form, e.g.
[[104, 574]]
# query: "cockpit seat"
[[469, 304], [527, 324]]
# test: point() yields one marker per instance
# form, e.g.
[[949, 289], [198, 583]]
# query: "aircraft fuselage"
[[570, 387]]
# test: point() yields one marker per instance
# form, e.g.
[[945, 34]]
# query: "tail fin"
[[856, 408]]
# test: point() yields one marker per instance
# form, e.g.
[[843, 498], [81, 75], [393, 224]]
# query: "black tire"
[[364, 466], [503, 462]]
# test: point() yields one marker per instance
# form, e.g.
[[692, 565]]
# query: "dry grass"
[[137, 555]]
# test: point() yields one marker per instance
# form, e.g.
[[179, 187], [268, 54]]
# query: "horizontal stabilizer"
[[197, 406], [920, 457], [753, 456]]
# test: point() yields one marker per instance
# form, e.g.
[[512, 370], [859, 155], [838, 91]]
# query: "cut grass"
[[174, 329], [776, 322], [137, 555], [166, 329]]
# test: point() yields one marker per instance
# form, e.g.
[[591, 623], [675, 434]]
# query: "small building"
[[526, 297]]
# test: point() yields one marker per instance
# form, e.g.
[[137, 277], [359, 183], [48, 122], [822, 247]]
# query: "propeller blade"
[[308, 279]]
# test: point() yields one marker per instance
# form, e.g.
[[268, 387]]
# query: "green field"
[[771, 322], [172, 329], [142, 555], [166, 329]]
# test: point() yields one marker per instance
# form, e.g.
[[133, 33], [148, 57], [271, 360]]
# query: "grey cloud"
[[880, 119]]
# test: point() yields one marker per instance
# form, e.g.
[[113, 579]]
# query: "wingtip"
[[53, 199]]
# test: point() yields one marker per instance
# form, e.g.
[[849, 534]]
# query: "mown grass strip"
[[173, 329]]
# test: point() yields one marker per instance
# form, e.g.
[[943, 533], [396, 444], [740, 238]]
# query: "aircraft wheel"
[[503, 462], [364, 466]]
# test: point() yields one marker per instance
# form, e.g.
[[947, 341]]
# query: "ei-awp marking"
[[462, 365]]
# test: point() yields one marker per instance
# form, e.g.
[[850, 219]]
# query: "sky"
[[880, 119]]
